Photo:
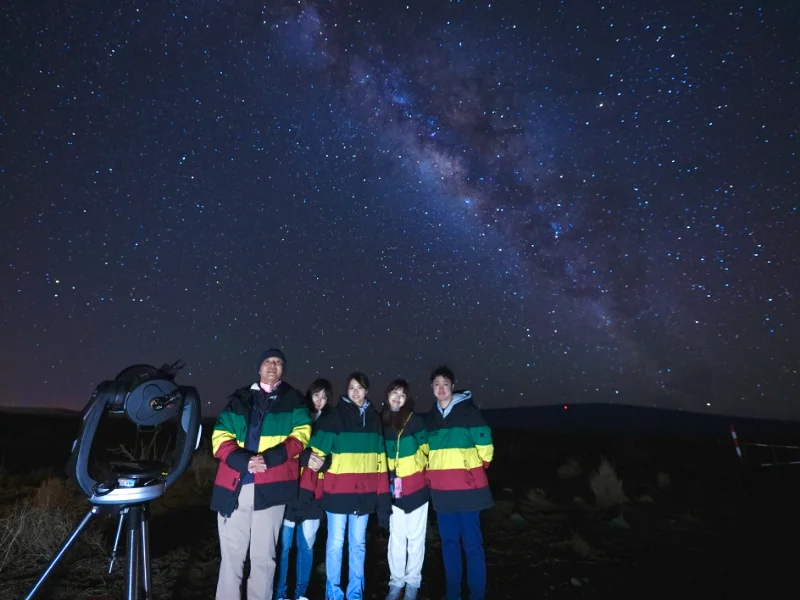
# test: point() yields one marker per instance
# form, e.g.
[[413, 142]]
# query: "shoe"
[[394, 592], [301, 598], [411, 593]]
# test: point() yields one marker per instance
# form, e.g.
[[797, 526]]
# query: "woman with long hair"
[[355, 485], [304, 515], [407, 454]]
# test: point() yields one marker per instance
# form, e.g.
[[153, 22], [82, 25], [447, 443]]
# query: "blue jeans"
[[356, 526], [306, 534], [457, 529]]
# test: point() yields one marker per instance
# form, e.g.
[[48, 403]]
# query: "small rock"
[[517, 519], [576, 582]]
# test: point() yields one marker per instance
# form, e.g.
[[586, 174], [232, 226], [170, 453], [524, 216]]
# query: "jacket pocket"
[[226, 478], [469, 478]]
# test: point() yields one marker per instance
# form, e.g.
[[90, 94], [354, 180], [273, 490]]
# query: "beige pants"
[[258, 530]]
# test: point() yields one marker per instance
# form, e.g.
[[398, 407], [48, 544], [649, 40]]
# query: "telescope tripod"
[[135, 519]]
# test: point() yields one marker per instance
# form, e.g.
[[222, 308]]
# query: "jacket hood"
[[362, 410], [458, 398]]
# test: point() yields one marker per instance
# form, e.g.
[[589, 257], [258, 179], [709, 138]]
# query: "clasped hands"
[[256, 464], [315, 462]]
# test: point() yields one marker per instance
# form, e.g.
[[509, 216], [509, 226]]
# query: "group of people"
[[287, 461]]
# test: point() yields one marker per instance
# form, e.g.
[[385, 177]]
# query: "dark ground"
[[707, 527]]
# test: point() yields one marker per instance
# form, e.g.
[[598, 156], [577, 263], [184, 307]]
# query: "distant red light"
[[566, 407]]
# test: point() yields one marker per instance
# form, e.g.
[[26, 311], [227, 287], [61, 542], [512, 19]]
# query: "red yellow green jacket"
[[285, 431], [357, 481], [461, 450], [407, 455]]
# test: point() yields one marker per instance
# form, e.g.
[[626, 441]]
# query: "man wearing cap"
[[257, 440]]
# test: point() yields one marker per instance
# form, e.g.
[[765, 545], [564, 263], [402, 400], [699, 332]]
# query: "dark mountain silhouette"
[[626, 419]]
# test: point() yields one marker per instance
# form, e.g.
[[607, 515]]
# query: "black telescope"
[[148, 397]]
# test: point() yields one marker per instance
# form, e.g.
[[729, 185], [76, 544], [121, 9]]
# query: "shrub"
[[607, 486], [38, 524], [537, 500], [664, 482], [203, 467], [569, 469]]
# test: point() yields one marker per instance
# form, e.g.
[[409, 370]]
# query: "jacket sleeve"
[[384, 501], [322, 443], [295, 442], [390, 447], [327, 464], [421, 437], [482, 438], [225, 445], [304, 457]]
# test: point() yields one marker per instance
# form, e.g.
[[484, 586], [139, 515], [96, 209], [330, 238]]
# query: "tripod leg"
[[133, 519], [113, 557], [145, 530], [64, 547]]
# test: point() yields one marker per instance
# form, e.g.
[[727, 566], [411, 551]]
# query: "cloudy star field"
[[575, 201]]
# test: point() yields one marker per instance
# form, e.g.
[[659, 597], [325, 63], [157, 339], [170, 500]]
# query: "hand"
[[315, 462], [256, 464]]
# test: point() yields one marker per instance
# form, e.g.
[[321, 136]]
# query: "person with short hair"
[[460, 452], [257, 438], [355, 485], [407, 455]]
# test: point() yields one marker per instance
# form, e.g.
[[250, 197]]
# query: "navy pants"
[[462, 530]]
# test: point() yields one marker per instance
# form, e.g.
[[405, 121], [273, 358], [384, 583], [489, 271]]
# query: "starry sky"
[[565, 201]]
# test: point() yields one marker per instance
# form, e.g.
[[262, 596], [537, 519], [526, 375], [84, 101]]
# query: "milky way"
[[571, 202]]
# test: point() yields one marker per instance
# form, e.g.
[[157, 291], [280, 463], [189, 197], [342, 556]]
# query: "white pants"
[[407, 546]]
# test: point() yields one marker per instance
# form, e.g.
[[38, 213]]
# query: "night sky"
[[575, 201]]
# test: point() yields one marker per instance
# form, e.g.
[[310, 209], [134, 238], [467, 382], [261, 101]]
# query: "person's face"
[[356, 392], [397, 398], [442, 389], [271, 370], [320, 399]]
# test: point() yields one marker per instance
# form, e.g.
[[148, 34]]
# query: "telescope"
[[148, 397]]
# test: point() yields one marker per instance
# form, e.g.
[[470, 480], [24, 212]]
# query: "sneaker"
[[411, 593], [394, 592], [301, 598]]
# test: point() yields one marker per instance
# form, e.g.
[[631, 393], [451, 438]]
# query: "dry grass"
[[203, 467], [576, 544], [146, 446], [569, 469], [538, 501], [607, 486], [37, 524], [194, 487]]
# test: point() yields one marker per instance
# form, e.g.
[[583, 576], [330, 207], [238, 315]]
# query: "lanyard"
[[399, 435]]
